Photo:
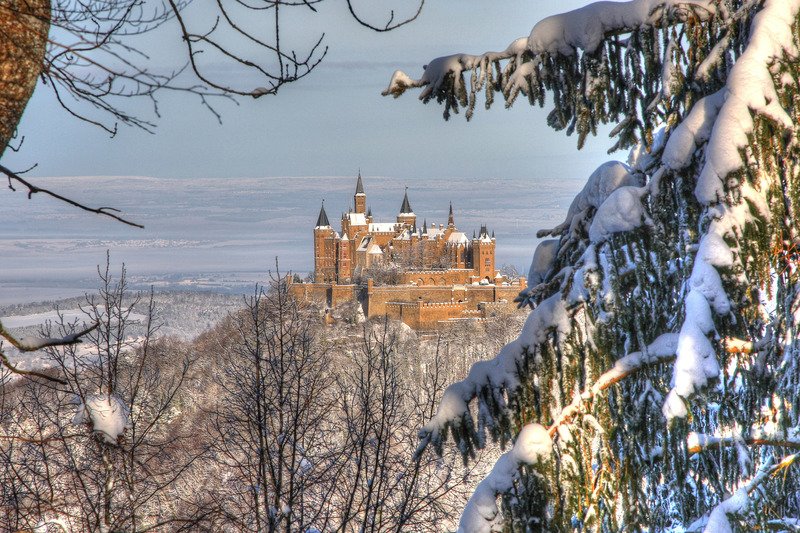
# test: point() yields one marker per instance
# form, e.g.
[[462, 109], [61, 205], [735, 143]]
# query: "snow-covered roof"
[[364, 244], [434, 232], [357, 219], [344, 237], [457, 237], [374, 249], [382, 227]]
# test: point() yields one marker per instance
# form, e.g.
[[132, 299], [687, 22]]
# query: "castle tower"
[[345, 270], [483, 248], [360, 198], [406, 215], [451, 221], [324, 249]]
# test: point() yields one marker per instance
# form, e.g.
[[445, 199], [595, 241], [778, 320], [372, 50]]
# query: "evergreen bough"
[[661, 354]]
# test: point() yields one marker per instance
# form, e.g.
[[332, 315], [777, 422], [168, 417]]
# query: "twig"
[[33, 373], [27, 345], [709, 443], [33, 189]]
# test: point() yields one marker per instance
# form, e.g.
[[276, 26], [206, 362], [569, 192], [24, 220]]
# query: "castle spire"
[[322, 219], [406, 207], [450, 219], [360, 197], [425, 226], [359, 184]]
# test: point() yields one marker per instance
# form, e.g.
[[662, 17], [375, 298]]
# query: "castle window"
[[487, 262]]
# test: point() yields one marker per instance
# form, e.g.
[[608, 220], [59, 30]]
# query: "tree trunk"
[[24, 25]]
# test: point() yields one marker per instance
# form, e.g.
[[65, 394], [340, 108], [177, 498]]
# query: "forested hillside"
[[268, 420]]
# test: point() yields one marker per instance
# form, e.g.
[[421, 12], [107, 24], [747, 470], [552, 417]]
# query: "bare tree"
[[271, 432], [99, 453], [88, 53], [388, 386]]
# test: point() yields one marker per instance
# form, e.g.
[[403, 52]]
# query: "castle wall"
[[421, 307], [380, 299], [324, 293], [422, 315], [437, 277]]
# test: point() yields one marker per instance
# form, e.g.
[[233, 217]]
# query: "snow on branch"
[[490, 377], [481, 513], [552, 39], [30, 344], [749, 90], [723, 122], [661, 350], [738, 503]]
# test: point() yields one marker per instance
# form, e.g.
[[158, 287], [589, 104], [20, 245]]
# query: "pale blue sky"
[[335, 120]]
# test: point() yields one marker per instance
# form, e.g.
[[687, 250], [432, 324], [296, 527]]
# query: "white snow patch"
[[606, 179], [481, 514], [543, 258], [107, 414], [621, 211]]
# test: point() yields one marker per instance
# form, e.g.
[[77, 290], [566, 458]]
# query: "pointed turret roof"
[[425, 226], [450, 218], [406, 207], [322, 219], [359, 184]]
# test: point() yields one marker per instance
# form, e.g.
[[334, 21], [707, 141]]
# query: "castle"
[[422, 276]]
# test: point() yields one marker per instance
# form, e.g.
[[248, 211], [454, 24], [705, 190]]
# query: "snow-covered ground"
[[179, 314], [224, 234]]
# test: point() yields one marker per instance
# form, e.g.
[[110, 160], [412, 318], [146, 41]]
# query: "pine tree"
[[655, 384]]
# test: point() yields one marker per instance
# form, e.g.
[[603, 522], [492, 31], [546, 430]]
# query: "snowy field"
[[223, 235], [182, 315]]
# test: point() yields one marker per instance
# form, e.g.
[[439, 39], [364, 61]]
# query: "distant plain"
[[224, 235]]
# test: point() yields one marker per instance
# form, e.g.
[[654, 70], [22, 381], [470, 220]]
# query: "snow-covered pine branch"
[[591, 60], [695, 241]]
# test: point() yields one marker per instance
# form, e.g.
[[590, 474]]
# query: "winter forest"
[[652, 385]]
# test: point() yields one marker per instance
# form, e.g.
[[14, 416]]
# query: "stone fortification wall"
[[437, 277], [330, 294], [427, 315], [421, 307]]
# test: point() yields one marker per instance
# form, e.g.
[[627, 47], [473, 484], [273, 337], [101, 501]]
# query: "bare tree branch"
[[33, 189]]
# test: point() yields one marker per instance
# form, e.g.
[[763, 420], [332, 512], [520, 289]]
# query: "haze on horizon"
[[331, 123]]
